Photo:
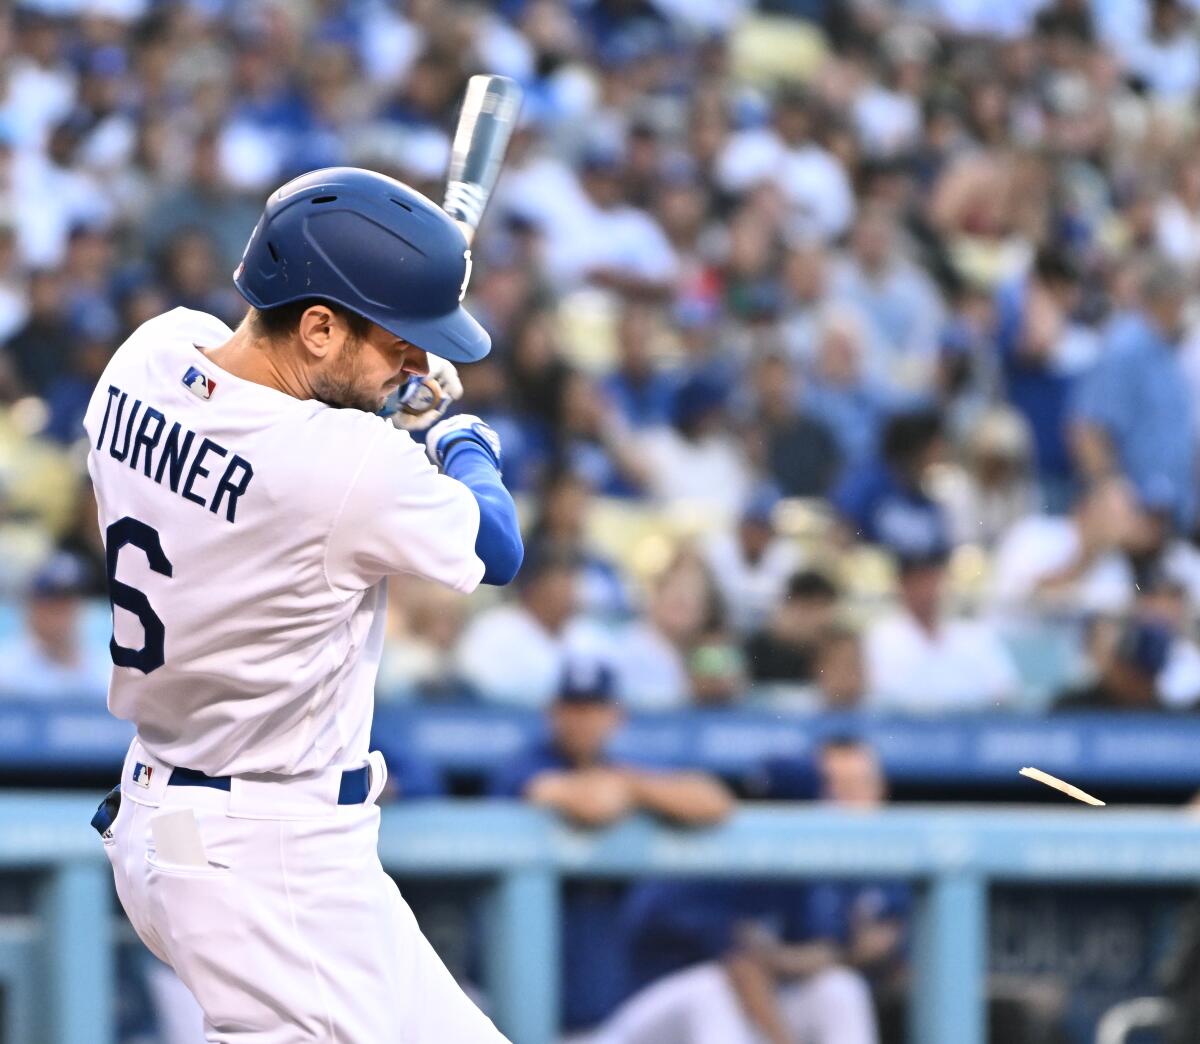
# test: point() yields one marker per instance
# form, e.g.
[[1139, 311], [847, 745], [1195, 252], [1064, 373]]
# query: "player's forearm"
[[690, 797], [1092, 449], [583, 797], [498, 543], [754, 986]]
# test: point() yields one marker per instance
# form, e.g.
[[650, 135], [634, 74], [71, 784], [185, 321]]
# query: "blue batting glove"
[[463, 427]]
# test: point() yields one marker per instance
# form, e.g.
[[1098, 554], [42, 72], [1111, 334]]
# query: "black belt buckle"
[[106, 814]]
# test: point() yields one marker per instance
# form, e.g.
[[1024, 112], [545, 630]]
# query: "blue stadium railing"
[[1146, 750], [952, 854]]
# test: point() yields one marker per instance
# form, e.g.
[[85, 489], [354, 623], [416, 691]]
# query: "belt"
[[354, 789]]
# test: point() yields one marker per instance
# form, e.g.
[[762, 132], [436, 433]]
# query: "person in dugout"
[[574, 772]]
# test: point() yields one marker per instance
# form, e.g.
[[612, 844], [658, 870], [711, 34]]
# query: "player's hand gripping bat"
[[485, 125]]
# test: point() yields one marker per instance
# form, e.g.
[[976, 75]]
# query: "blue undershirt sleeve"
[[498, 544]]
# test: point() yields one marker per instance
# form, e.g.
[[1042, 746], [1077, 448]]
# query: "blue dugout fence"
[[60, 976], [1151, 750]]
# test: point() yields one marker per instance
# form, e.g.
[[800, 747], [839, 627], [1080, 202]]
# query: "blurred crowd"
[[846, 352]]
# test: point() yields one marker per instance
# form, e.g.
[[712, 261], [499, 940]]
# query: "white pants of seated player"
[[178, 1016], [699, 1006], [296, 934]]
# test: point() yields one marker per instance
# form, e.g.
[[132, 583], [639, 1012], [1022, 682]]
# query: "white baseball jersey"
[[249, 536]]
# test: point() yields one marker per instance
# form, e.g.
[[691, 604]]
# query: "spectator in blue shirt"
[[572, 772], [840, 394], [640, 390], [1043, 356], [1133, 414], [885, 502]]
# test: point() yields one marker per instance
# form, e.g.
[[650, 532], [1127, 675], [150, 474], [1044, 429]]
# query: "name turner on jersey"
[[170, 460]]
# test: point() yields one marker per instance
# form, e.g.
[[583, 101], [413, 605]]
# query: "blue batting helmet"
[[372, 245]]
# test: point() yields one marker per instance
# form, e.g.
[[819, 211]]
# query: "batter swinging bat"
[[485, 123]]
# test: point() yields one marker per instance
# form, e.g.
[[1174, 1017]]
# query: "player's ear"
[[317, 330]]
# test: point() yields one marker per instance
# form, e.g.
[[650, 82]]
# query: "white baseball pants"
[[699, 1006], [292, 932]]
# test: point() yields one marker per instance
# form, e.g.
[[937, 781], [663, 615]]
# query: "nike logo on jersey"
[[172, 456], [199, 384]]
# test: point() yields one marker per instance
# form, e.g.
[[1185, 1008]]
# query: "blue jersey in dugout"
[[595, 965]]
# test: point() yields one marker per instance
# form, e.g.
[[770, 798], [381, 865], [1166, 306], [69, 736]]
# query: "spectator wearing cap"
[[514, 652], [717, 669], [49, 659], [783, 651], [1133, 414], [1128, 660], [697, 460], [922, 660], [752, 562], [886, 502], [574, 773]]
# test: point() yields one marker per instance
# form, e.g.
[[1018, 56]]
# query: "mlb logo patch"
[[142, 774], [199, 384]]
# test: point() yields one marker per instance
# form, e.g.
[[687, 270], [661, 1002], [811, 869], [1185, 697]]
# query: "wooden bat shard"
[[1060, 785]]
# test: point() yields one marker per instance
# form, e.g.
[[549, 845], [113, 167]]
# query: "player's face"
[[360, 373], [582, 730], [851, 776]]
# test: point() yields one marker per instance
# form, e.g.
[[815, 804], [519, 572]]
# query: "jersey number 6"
[[130, 531]]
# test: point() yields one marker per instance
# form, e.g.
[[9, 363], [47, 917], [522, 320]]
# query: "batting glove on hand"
[[463, 427], [422, 401]]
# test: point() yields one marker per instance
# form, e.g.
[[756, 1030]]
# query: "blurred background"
[[847, 366]]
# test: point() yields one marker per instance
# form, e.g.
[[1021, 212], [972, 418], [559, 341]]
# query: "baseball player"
[[253, 506]]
